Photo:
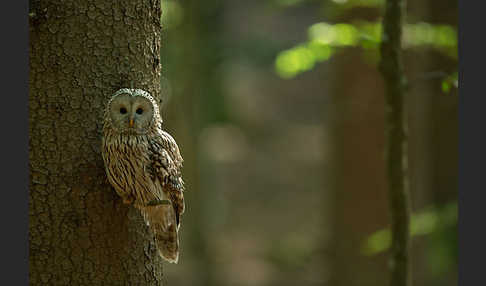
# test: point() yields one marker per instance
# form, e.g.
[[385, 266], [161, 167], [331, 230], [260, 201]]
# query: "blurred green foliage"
[[325, 39], [449, 82], [344, 4], [438, 223], [424, 222], [222, 67], [172, 14], [287, 3]]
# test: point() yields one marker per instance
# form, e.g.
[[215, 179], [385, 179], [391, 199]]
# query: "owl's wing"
[[170, 145], [167, 164]]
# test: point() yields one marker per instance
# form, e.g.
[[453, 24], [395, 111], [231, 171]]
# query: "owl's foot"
[[128, 200]]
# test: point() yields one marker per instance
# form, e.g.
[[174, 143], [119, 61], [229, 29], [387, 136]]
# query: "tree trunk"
[[356, 142], [80, 53], [391, 68]]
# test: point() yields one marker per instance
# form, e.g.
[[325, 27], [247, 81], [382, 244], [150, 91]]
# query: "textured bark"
[[391, 68], [80, 53]]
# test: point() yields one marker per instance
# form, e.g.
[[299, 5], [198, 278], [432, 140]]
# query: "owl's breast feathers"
[[126, 159], [148, 167]]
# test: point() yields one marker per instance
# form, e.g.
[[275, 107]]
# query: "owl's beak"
[[130, 123]]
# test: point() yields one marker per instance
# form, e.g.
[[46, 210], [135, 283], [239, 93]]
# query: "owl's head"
[[132, 111]]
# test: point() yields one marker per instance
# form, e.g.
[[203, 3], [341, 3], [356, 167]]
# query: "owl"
[[143, 164]]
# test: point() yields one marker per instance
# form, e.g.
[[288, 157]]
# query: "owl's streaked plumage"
[[143, 164]]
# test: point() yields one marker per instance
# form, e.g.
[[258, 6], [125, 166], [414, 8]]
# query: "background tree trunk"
[[396, 152], [357, 140], [80, 53]]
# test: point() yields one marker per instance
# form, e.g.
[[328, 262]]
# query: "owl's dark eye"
[[123, 110], [139, 111]]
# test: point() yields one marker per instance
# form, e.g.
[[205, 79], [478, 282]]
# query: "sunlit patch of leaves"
[[343, 4], [325, 39], [422, 223], [301, 58], [450, 82]]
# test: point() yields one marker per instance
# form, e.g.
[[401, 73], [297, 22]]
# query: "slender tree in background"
[[391, 68], [80, 233]]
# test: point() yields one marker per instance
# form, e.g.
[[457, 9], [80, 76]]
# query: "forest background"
[[279, 109]]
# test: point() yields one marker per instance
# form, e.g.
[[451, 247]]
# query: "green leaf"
[[324, 39], [423, 223], [446, 87]]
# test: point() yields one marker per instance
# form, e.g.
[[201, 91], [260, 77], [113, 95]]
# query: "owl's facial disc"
[[131, 114]]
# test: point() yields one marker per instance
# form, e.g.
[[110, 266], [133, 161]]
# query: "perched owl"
[[143, 164]]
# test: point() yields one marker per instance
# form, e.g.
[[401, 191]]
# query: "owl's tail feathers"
[[162, 222]]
